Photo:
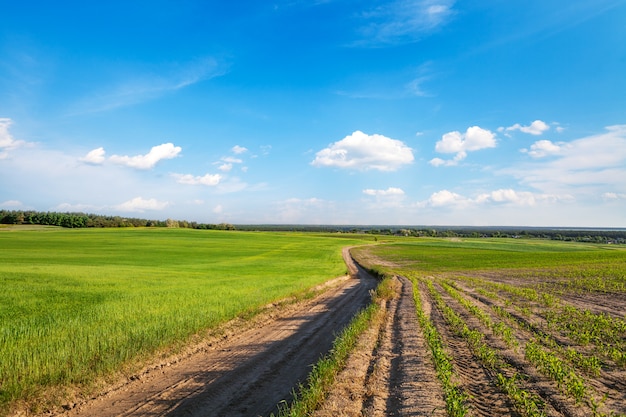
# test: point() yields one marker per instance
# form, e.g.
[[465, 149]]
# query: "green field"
[[77, 305], [596, 267]]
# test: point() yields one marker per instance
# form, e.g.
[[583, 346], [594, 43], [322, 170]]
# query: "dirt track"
[[248, 373]]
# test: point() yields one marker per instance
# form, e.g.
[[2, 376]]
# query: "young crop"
[[525, 402], [454, 396], [552, 366], [533, 292]]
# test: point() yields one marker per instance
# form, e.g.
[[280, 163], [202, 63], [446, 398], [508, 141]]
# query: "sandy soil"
[[391, 372]]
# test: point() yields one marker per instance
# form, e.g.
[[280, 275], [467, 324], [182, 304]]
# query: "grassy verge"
[[312, 394]]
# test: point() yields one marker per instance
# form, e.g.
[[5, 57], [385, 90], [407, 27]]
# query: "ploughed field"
[[497, 327]]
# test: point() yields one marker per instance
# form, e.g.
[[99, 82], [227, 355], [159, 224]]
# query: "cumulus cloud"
[[588, 165], [238, 149], [364, 152], [231, 160], [391, 191], [225, 167], [139, 205], [518, 198], [208, 179], [149, 160], [535, 128], [392, 197], [543, 148], [446, 198], [7, 141], [226, 162], [95, 156], [437, 162], [475, 138]]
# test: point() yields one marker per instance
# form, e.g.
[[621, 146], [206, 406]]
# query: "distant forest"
[[82, 220]]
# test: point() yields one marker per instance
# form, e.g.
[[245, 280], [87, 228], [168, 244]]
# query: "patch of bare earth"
[[391, 372]]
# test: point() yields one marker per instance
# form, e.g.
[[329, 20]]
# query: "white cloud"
[[7, 141], [436, 162], [238, 149], [11, 204], [392, 197], [614, 196], [535, 128], [444, 198], [475, 138], [208, 179], [364, 152], [543, 148], [589, 165], [519, 198], [149, 160], [508, 196], [231, 160], [139, 205], [391, 191], [225, 167], [95, 156]]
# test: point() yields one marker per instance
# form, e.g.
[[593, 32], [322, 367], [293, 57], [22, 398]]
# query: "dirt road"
[[247, 373]]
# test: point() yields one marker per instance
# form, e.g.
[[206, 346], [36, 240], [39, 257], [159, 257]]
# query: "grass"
[[440, 255], [78, 305], [324, 372]]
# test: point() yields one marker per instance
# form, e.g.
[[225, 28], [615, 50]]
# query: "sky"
[[335, 112]]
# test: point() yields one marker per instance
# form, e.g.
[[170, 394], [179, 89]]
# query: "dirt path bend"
[[249, 373]]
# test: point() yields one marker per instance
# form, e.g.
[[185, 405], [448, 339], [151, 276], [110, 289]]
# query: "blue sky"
[[418, 112]]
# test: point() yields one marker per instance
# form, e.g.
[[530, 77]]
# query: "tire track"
[[414, 388]]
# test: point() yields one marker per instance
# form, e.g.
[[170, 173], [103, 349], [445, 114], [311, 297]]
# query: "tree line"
[[81, 220]]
